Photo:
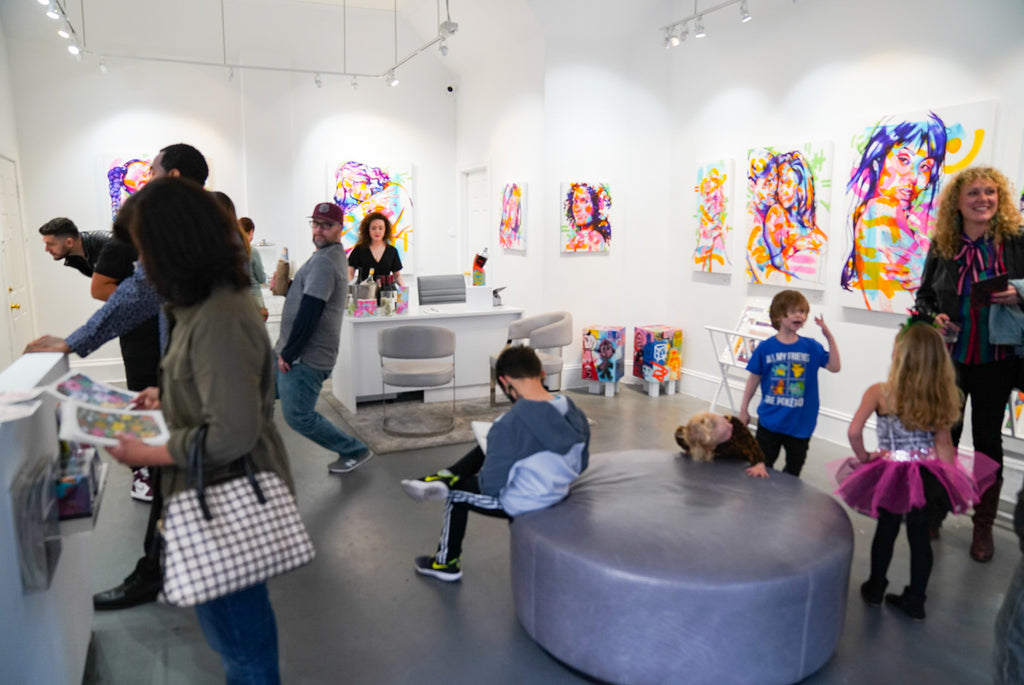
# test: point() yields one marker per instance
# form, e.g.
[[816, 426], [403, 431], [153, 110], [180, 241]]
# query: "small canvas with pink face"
[[365, 308]]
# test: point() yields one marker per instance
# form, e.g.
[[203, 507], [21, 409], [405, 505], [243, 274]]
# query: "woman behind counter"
[[217, 370], [977, 236], [374, 250]]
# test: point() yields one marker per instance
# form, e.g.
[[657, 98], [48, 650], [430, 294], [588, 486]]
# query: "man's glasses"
[[323, 225]]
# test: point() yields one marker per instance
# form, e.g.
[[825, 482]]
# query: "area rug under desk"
[[416, 415]]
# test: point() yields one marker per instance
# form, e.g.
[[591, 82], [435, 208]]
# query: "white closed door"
[[476, 216], [16, 317]]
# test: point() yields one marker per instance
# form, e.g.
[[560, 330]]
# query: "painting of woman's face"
[[766, 186], [907, 170], [788, 183], [582, 208]]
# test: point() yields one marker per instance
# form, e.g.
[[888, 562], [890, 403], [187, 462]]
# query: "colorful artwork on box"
[[365, 308], [125, 176], [104, 424], [360, 189], [789, 191], [512, 229], [657, 353], [602, 354], [81, 388], [586, 217], [713, 229], [900, 164]]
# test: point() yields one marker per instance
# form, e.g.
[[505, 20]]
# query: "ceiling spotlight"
[[699, 31], [231, 74], [44, 2], [744, 12], [74, 49], [63, 33], [668, 38], [355, 83], [103, 66], [319, 83], [52, 11], [391, 78], [443, 48], [448, 28]]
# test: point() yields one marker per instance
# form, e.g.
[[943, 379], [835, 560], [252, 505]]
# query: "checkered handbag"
[[223, 538]]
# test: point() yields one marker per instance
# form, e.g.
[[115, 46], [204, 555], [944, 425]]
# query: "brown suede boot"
[[982, 547]]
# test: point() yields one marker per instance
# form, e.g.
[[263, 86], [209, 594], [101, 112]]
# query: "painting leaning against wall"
[[893, 192], [360, 189], [713, 230], [789, 200], [586, 223], [511, 227]]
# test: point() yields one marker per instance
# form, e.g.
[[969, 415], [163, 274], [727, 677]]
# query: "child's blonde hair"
[[698, 435], [922, 381]]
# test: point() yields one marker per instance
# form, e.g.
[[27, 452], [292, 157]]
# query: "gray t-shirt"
[[325, 277]]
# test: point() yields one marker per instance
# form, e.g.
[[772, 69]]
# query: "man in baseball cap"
[[310, 335]]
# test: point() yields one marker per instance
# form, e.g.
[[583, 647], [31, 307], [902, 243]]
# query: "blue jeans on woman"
[[242, 629], [299, 390]]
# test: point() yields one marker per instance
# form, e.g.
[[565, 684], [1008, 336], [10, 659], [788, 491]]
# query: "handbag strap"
[[195, 474]]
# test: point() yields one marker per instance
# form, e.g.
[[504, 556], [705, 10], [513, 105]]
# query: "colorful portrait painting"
[[713, 230], [511, 233], [360, 189], [586, 223], [893, 189], [125, 176], [789, 191]]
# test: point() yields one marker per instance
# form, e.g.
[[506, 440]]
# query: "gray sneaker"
[[346, 464]]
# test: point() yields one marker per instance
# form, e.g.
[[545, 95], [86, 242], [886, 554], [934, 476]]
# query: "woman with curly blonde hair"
[[977, 236], [914, 473]]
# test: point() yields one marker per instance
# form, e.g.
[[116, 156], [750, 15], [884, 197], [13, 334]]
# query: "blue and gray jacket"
[[534, 453]]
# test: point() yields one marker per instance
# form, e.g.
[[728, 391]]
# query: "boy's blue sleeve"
[[501, 455]]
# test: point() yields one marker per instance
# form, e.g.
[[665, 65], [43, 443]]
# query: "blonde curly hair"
[[698, 435], [948, 227], [922, 382]]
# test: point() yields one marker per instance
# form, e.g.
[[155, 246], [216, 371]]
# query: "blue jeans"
[[241, 628], [299, 390], [1009, 653]]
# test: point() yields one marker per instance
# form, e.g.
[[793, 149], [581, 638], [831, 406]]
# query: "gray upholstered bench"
[[658, 569]]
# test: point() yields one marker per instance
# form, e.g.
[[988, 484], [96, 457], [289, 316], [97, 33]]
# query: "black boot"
[[910, 604], [141, 586], [872, 591], [982, 547]]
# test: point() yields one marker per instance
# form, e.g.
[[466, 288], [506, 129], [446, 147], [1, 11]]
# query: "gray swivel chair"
[[418, 357], [547, 334], [441, 289]]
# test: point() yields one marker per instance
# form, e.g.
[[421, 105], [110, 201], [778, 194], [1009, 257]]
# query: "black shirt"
[[93, 243]]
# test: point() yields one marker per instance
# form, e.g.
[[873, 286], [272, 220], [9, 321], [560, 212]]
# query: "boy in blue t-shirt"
[[786, 367]]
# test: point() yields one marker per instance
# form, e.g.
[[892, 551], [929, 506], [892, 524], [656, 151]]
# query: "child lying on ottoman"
[[708, 436]]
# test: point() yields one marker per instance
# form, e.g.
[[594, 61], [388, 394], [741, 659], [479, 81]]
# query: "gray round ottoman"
[[659, 569]]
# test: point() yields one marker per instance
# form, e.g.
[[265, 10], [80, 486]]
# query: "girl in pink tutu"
[[914, 473]]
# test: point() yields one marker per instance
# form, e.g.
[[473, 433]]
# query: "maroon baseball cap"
[[328, 211]]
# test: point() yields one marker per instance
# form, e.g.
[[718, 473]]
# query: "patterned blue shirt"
[[132, 303]]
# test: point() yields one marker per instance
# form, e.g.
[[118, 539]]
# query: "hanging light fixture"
[[318, 81], [103, 66], [391, 78], [63, 33], [698, 29], [744, 12], [442, 47], [52, 10]]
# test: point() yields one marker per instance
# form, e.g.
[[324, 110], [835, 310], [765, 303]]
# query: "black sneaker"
[[347, 464], [428, 566], [911, 606], [432, 488], [872, 593]]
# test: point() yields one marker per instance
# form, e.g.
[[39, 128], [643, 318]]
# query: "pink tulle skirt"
[[895, 484]]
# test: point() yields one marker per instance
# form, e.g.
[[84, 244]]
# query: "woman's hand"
[[1008, 296], [131, 451], [148, 399], [757, 471]]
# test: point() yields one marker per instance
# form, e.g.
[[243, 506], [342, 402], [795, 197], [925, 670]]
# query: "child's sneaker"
[[428, 566], [432, 488], [142, 487]]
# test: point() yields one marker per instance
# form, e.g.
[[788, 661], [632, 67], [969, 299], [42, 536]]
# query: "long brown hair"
[[948, 228], [922, 381]]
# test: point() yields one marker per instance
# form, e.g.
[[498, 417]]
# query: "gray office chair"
[[418, 357], [547, 334], [441, 289]]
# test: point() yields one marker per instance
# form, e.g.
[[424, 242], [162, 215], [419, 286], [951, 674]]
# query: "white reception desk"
[[479, 333]]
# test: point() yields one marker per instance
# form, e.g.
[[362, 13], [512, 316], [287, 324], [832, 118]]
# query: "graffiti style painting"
[[602, 353], [360, 189], [789, 191], [713, 229], [900, 163], [586, 224], [657, 353], [125, 176], [511, 228]]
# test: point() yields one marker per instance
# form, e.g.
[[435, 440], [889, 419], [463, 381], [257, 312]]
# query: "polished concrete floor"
[[359, 613]]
